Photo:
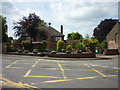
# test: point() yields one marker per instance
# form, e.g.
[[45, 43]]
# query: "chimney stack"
[[61, 29]]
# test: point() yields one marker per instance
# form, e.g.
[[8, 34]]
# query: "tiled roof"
[[52, 31]]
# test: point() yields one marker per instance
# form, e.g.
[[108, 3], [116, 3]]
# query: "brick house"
[[113, 38], [51, 35]]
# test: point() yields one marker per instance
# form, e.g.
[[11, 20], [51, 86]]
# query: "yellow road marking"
[[12, 64], [62, 70], [28, 72], [20, 84], [54, 81], [44, 76], [15, 67], [35, 64], [95, 70], [111, 75], [88, 77]]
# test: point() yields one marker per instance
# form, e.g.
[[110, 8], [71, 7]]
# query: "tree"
[[43, 23], [90, 43], [79, 46], [26, 44], [101, 31], [10, 39], [4, 29], [103, 45], [28, 25], [60, 45], [69, 48], [74, 36], [69, 36]]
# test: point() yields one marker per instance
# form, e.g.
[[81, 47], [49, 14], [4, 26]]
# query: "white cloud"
[[81, 13], [75, 15]]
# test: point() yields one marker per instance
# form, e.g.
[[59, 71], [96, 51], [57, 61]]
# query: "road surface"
[[37, 72]]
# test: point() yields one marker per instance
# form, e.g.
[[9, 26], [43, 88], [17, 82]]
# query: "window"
[[58, 38]]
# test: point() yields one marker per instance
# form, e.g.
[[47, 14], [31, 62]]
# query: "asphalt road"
[[36, 72]]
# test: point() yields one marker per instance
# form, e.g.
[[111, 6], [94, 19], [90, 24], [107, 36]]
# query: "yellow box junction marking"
[[20, 84], [95, 70], [44, 76], [12, 64], [54, 81], [62, 70], [30, 70]]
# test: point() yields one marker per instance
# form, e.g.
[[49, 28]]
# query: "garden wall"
[[86, 55], [112, 52]]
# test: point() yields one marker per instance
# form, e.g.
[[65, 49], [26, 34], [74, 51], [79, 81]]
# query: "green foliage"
[[11, 48], [27, 45], [79, 46], [60, 45], [42, 46], [4, 29], [89, 42], [26, 51], [69, 48], [10, 39], [74, 36], [53, 52], [103, 44], [86, 42], [35, 50]]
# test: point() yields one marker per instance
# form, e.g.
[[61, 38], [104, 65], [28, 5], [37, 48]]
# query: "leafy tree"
[[86, 42], [74, 36], [103, 44], [4, 29], [101, 31], [90, 43], [28, 25], [42, 46], [60, 45], [69, 36], [10, 39], [27, 45], [43, 23], [79, 46], [69, 48]]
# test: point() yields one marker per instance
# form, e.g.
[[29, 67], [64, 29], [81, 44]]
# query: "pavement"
[[44, 72]]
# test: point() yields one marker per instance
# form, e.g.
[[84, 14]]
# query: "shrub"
[[53, 52], [69, 48], [42, 46], [11, 48], [60, 45], [35, 51], [26, 51], [27, 45], [79, 46], [68, 52]]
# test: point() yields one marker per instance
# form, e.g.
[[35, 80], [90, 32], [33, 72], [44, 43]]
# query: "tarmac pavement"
[[45, 72]]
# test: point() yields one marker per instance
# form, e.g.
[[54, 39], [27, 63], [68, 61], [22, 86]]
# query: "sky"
[[75, 15]]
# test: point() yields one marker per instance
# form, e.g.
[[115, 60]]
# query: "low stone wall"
[[27, 54], [86, 55], [112, 52]]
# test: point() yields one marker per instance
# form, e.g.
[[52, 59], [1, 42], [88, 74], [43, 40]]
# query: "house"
[[51, 35], [113, 38]]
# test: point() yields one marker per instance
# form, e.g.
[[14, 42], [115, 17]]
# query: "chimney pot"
[[61, 29]]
